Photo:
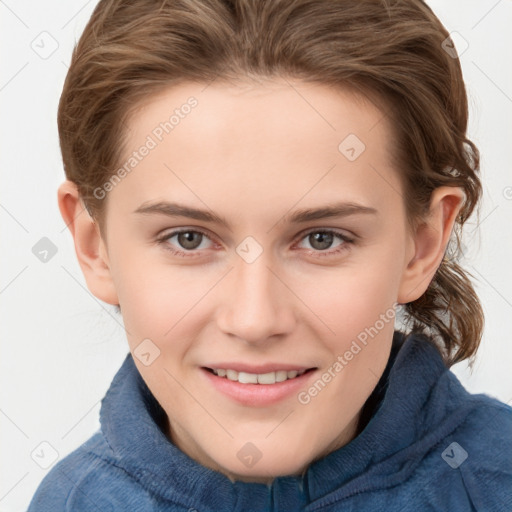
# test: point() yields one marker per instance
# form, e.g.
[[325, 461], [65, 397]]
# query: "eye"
[[322, 239], [191, 241], [188, 239]]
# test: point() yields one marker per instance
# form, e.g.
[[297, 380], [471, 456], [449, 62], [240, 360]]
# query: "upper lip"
[[261, 368]]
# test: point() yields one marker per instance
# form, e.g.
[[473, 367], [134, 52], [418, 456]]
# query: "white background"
[[61, 346]]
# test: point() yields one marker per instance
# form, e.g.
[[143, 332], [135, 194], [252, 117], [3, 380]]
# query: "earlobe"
[[90, 248], [430, 242]]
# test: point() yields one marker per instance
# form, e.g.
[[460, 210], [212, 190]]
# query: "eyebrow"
[[169, 209]]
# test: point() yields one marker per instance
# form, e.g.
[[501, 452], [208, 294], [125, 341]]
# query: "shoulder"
[[486, 437], [490, 422], [486, 429], [88, 479], [474, 460]]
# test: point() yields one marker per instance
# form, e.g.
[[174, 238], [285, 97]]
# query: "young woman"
[[260, 187]]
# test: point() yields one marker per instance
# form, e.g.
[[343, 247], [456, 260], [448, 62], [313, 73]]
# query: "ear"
[[90, 248], [429, 243]]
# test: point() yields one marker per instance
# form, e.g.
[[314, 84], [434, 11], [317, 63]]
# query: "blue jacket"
[[427, 445]]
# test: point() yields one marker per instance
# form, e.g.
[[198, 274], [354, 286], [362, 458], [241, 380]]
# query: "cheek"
[[156, 300], [353, 297]]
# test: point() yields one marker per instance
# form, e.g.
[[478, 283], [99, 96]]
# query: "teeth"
[[281, 375], [257, 378], [247, 378], [232, 374]]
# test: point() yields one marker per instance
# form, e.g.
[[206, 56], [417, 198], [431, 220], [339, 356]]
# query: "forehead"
[[281, 140], [257, 107]]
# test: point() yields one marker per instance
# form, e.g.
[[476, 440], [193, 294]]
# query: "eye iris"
[[325, 240], [186, 239]]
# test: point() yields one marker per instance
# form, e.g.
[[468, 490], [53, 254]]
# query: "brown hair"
[[392, 51]]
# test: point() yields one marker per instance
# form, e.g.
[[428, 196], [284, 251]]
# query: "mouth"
[[255, 389], [257, 378]]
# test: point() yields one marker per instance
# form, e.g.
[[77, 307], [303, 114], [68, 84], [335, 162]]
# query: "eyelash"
[[327, 253]]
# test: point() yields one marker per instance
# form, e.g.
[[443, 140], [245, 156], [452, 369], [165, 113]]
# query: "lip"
[[257, 395], [261, 368]]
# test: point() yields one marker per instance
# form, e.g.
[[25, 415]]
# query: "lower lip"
[[258, 394]]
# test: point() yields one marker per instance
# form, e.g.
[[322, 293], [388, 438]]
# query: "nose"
[[256, 305]]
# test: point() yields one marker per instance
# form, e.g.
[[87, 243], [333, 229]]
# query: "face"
[[291, 260]]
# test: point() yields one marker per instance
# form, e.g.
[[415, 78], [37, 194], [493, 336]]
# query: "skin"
[[255, 154]]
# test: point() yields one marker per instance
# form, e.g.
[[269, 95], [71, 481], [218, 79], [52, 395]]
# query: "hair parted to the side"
[[389, 51]]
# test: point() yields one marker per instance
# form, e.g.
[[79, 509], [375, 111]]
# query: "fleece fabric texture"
[[427, 445]]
